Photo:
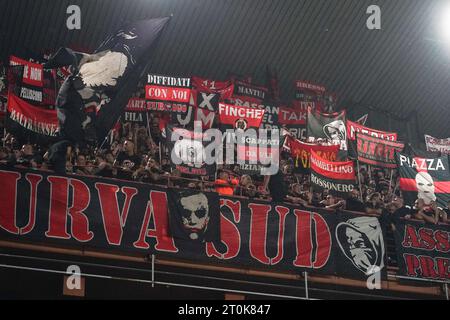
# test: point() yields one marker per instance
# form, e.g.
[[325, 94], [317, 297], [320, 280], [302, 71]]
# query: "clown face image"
[[195, 215], [361, 241], [425, 187]]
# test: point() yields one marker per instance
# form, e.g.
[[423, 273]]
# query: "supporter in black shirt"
[[277, 187], [353, 203], [104, 168], [401, 210], [127, 160]]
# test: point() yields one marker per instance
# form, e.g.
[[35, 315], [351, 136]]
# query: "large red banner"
[[39, 120], [353, 128]]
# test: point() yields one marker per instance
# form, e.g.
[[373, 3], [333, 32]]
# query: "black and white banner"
[[327, 127], [191, 152]]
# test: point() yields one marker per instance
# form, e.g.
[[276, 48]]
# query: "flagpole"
[[359, 181], [106, 138]]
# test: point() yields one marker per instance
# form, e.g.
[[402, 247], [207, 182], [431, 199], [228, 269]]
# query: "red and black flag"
[[104, 80], [354, 127], [239, 117], [424, 178], [26, 80], [301, 152], [256, 150], [204, 107], [223, 88], [248, 94], [194, 215], [308, 94], [338, 177], [136, 112], [376, 151], [167, 93], [26, 119]]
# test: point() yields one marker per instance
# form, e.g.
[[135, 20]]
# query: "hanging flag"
[[188, 152], [194, 215], [247, 94], [377, 152], [437, 145], [301, 152], [204, 107], [307, 95], [353, 128], [256, 151], [327, 127], [136, 111], [223, 88], [33, 73], [168, 90], [240, 117], [32, 119], [338, 177], [104, 80], [26, 89], [424, 178]]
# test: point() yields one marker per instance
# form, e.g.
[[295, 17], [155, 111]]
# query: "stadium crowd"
[[135, 153]]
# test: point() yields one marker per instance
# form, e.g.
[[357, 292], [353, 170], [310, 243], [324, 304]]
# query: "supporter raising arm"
[[421, 212]]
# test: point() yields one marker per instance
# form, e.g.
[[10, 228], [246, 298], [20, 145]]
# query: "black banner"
[[100, 86], [194, 215], [327, 127], [134, 217], [188, 151], [423, 250]]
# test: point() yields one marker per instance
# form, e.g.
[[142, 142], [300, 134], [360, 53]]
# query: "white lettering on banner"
[[251, 92], [235, 111], [331, 167], [29, 94], [330, 185], [379, 135], [310, 86], [422, 164], [33, 125], [169, 81]]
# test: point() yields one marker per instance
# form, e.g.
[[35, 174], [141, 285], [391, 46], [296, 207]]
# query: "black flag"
[[94, 96], [194, 215]]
